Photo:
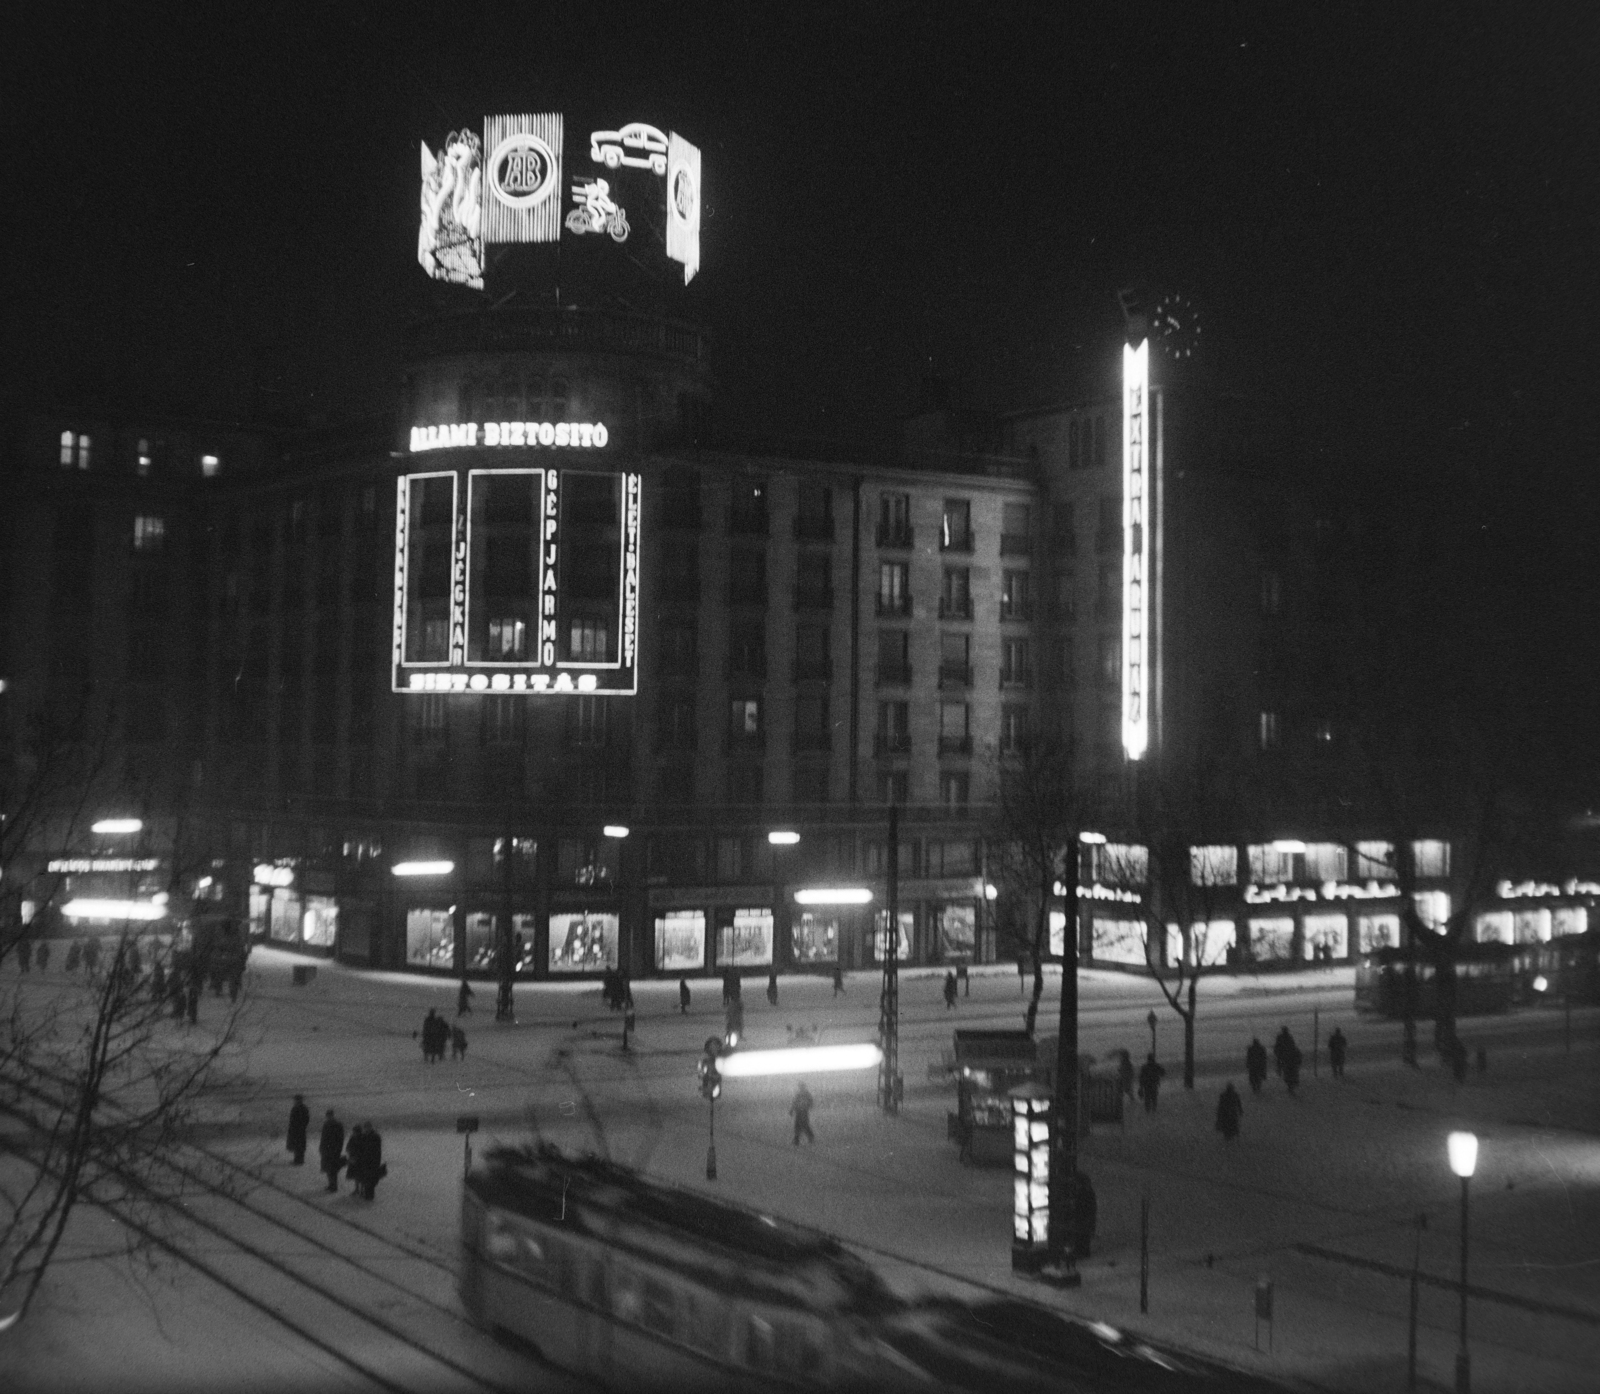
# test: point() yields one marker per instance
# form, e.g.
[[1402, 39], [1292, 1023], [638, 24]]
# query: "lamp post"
[[1463, 1152], [1064, 1163], [889, 998]]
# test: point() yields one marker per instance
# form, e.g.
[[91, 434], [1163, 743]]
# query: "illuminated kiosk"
[[1032, 1117]]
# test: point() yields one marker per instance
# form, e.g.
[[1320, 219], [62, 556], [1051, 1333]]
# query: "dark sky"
[[1386, 214]]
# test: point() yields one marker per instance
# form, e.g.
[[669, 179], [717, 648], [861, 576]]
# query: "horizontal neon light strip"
[[113, 910], [834, 895], [783, 838], [118, 825], [802, 1060], [423, 868]]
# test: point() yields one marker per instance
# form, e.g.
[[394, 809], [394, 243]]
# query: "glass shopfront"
[[321, 921], [1325, 937], [1272, 939], [680, 940], [744, 938], [880, 935], [430, 938], [815, 937], [1118, 940], [958, 930], [583, 942]]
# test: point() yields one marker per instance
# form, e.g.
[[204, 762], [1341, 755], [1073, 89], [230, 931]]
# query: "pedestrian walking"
[[1150, 1077], [1336, 1049], [458, 1043], [727, 986], [683, 996], [1125, 1073], [1291, 1067], [299, 1125], [838, 980], [1230, 1109], [464, 999], [330, 1149], [772, 989], [1281, 1046], [192, 999], [356, 1151], [1255, 1064], [950, 991], [91, 954], [1085, 1215], [375, 1168], [801, 1109], [25, 955], [74, 956], [44, 954], [433, 1037], [504, 1006]]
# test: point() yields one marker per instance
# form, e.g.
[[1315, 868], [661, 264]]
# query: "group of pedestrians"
[[437, 1033], [361, 1154]]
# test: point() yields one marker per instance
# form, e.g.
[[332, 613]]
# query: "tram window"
[[760, 1351], [593, 1286], [798, 1352], [656, 1308], [500, 1244], [709, 1324], [627, 1301]]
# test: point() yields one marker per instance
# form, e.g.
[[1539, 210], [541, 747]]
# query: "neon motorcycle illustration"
[[597, 211]]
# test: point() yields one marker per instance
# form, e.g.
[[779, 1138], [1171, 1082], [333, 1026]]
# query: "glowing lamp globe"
[[1463, 1149]]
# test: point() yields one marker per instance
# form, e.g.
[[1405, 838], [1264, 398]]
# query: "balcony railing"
[[891, 743], [1015, 544], [1016, 677], [892, 535], [894, 674], [1015, 609], [955, 607], [894, 604], [813, 529], [813, 597], [955, 745], [813, 669], [955, 674], [813, 740], [956, 542]]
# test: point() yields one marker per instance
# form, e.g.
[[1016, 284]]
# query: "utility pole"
[[1064, 1165], [889, 1000], [504, 1010]]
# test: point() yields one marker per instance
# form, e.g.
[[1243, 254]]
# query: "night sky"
[[1386, 215]]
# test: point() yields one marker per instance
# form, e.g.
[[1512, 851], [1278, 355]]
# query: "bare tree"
[[1038, 814]]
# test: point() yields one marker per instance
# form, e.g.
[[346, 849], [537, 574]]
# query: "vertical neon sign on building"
[[1135, 550]]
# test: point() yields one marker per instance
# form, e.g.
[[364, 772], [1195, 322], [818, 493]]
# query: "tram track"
[[404, 1335]]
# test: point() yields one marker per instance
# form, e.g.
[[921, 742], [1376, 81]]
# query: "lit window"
[[954, 787], [210, 465], [144, 458], [590, 638], [591, 721], [149, 533], [67, 454], [83, 452], [1269, 730], [1324, 732], [1431, 857], [75, 450], [1216, 865], [1375, 861], [508, 639], [1271, 593]]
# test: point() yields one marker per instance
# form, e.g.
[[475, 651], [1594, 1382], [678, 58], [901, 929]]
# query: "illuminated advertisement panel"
[[1135, 550], [522, 178], [516, 580], [683, 204], [450, 236]]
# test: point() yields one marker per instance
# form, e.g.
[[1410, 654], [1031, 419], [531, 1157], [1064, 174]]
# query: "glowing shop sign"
[[562, 435], [83, 865], [1528, 890], [1135, 550], [630, 573], [450, 236], [683, 205], [636, 145], [1329, 890], [597, 211], [268, 875], [523, 172]]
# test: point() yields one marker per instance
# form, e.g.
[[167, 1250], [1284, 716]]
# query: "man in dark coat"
[[331, 1149], [801, 1109], [299, 1124], [375, 1169], [838, 980], [1281, 1047], [950, 990], [1291, 1066], [683, 996], [1336, 1049], [772, 988], [432, 1045], [1255, 1064], [464, 999], [1230, 1109], [1150, 1077]]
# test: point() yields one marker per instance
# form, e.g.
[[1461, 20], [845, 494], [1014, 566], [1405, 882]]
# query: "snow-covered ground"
[[1321, 1192]]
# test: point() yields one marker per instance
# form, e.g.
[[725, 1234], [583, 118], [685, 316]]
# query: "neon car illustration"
[[636, 144]]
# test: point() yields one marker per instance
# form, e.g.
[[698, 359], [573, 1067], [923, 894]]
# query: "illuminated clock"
[[1175, 325]]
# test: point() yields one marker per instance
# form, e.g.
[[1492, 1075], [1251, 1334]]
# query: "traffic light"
[[710, 1075]]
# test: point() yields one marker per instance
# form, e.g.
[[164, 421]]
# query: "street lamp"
[[440, 868], [710, 1087], [1463, 1151], [117, 825], [783, 837]]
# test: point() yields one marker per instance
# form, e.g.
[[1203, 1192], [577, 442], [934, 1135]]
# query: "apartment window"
[[956, 531], [955, 736], [586, 862], [1322, 734], [589, 721], [748, 506], [1013, 728], [744, 721], [1271, 593], [502, 720], [1108, 532], [680, 498], [955, 660], [1016, 601], [894, 588], [894, 728], [811, 651], [951, 858], [1270, 864], [730, 859], [144, 459], [954, 788], [743, 783], [675, 724], [1215, 865], [1099, 442], [955, 595], [1075, 452], [1065, 538], [149, 533], [814, 516], [811, 784], [1375, 861], [210, 466], [747, 650], [590, 639], [1327, 861], [508, 638], [679, 656], [892, 787], [1268, 730], [1066, 588], [680, 574], [1016, 530], [811, 728], [75, 450], [894, 520], [747, 576], [1015, 668], [1430, 857], [427, 716], [894, 655], [813, 581]]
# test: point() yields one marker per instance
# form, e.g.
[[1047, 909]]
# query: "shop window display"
[[1533, 926], [321, 921], [880, 935], [285, 916], [816, 938], [1572, 919], [1374, 932], [583, 943], [744, 938], [1119, 941], [680, 940], [958, 931], [430, 938], [1272, 939], [1326, 937], [480, 942]]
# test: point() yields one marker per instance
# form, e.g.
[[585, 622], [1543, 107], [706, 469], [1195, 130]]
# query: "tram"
[[1487, 980]]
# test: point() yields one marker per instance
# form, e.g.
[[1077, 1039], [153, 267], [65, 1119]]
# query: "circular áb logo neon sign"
[[522, 170], [684, 193]]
